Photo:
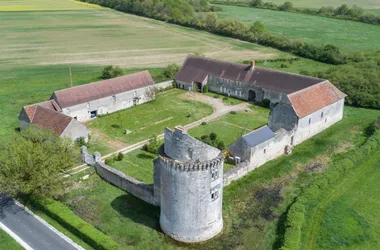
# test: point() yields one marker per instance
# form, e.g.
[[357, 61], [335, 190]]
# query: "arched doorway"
[[251, 96]]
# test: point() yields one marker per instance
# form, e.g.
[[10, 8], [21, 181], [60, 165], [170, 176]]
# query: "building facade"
[[188, 179], [91, 100]]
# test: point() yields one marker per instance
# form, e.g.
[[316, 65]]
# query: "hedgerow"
[[312, 194], [66, 218]]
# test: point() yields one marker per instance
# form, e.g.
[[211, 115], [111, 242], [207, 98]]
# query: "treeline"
[[359, 78], [344, 11], [184, 13]]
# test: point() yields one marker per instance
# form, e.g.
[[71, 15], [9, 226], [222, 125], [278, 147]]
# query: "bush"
[[266, 103], [221, 145], [112, 72], [120, 156], [225, 98], [66, 218], [232, 112], [153, 144], [213, 136], [80, 141], [216, 96], [204, 123], [171, 70], [205, 89], [109, 161]]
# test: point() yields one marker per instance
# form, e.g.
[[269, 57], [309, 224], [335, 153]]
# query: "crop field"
[[348, 35], [100, 36], [253, 220], [365, 4], [38, 5]]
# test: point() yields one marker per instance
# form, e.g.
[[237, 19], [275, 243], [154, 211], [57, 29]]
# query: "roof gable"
[[310, 100], [97, 90], [31, 109], [49, 119], [197, 68]]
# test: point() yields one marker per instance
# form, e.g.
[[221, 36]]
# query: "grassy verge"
[[7, 242], [329, 205]]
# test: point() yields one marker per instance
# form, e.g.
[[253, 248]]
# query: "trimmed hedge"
[[312, 194], [66, 218]]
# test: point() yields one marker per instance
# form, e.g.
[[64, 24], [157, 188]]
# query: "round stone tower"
[[191, 187]]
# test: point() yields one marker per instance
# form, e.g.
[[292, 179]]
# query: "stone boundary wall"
[[163, 85], [131, 185], [236, 173]]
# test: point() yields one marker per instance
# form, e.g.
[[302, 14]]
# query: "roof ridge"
[[105, 80], [217, 60], [257, 129], [291, 74], [307, 88]]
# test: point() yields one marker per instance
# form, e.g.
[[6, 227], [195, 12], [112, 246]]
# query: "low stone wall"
[[235, 173], [126, 183], [163, 85]]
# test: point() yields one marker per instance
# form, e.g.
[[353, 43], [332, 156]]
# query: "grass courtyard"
[[348, 35], [252, 221], [168, 110]]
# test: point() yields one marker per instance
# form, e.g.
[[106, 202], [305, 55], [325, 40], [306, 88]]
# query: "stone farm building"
[[66, 108], [301, 106]]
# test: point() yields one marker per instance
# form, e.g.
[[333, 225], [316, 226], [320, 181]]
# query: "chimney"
[[252, 66]]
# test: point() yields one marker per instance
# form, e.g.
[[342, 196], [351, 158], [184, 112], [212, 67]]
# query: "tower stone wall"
[[191, 187]]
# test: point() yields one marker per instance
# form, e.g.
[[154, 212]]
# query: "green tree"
[[171, 70], [257, 3], [32, 163], [286, 6], [257, 27], [153, 144], [111, 72]]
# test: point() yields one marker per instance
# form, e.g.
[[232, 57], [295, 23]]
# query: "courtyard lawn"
[[226, 100], [253, 207], [231, 126], [348, 35], [138, 164], [7, 242], [168, 110]]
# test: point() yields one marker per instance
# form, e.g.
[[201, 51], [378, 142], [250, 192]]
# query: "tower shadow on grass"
[[137, 210]]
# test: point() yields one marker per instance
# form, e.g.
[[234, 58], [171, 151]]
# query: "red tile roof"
[[197, 68], [93, 91], [51, 104], [314, 98], [47, 118]]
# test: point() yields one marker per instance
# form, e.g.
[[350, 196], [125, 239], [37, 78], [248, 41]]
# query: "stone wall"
[[283, 116], [163, 85], [126, 183]]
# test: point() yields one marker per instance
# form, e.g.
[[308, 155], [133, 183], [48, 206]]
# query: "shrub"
[[225, 98], [204, 137], [232, 112], [120, 156], [111, 72], [66, 218], [80, 141], [204, 123], [216, 96], [153, 144], [171, 70], [221, 145], [205, 89], [213, 136], [109, 161], [266, 103]]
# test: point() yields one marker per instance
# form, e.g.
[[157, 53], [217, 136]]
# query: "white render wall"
[[75, 130], [107, 105], [318, 122]]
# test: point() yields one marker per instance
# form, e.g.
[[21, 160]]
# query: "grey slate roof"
[[196, 68], [259, 136]]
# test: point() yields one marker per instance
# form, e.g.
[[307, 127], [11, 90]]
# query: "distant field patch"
[[100, 36], [348, 35], [36, 5], [365, 4]]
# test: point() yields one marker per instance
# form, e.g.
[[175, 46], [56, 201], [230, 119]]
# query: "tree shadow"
[[145, 156], [137, 210], [281, 228]]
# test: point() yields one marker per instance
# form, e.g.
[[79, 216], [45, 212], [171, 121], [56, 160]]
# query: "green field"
[[7, 242], [38, 5], [252, 221], [366, 4], [348, 35], [168, 110], [348, 216]]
